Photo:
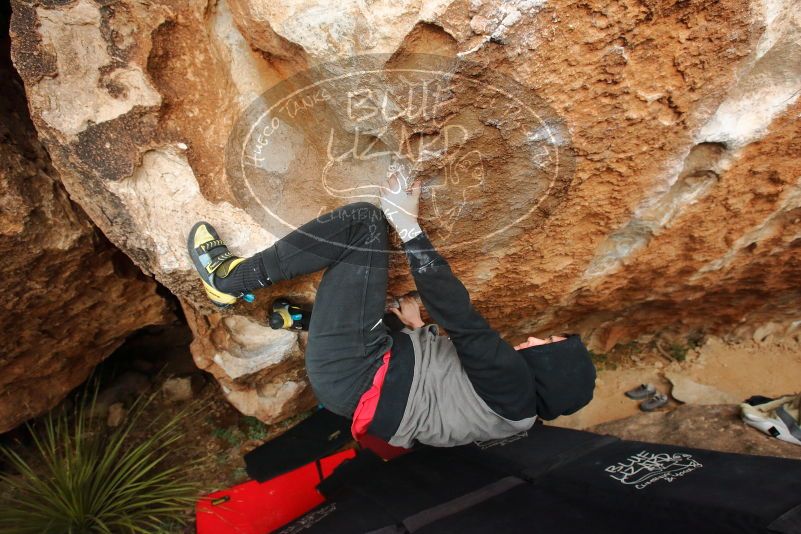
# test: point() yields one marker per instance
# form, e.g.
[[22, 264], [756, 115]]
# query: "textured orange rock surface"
[[677, 208], [69, 296]]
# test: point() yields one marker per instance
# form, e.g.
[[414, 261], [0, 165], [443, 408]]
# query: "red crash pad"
[[260, 508]]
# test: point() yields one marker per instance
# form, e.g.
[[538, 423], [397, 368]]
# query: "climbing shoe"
[[213, 261]]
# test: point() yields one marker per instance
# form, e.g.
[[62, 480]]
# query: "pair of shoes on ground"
[[653, 398], [213, 261]]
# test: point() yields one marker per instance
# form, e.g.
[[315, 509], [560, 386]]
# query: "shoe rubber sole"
[[223, 300]]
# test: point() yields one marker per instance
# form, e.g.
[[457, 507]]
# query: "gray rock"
[[116, 414], [125, 388], [177, 389], [691, 392]]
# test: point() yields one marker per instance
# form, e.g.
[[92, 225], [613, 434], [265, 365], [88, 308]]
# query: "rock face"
[[69, 296], [612, 168]]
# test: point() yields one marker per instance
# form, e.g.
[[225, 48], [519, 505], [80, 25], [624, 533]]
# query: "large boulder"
[[613, 168], [69, 296]]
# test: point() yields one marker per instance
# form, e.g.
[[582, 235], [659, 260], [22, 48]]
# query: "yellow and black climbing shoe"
[[213, 261]]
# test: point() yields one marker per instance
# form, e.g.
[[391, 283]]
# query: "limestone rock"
[[124, 388], [718, 428], [69, 297], [259, 369], [691, 392], [116, 415], [615, 171], [177, 389]]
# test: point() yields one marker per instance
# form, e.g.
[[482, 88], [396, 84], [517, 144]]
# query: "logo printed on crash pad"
[[643, 469]]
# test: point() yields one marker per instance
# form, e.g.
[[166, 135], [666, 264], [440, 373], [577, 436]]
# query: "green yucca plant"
[[87, 479]]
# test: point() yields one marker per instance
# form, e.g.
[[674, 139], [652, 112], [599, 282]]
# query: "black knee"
[[369, 223], [365, 214], [365, 211]]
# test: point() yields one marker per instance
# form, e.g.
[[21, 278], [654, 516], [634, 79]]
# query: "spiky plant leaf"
[[85, 479]]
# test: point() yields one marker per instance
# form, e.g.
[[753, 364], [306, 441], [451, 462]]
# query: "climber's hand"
[[400, 199], [409, 312]]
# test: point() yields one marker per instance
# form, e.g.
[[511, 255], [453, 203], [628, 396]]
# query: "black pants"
[[347, 337]]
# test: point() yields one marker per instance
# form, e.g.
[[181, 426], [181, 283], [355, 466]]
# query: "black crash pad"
[[552, 480], [319, 435]]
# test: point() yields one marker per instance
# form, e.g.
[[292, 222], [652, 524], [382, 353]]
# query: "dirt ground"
[[740, 369]]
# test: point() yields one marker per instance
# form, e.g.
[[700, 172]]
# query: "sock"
[[244, 278]]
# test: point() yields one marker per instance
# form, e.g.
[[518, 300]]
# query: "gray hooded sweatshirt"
[[472, 385], [443, 408]]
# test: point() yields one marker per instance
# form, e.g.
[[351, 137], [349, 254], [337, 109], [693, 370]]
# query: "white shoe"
[[778, 418]]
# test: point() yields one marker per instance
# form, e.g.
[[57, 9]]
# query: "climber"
[[411, 385]]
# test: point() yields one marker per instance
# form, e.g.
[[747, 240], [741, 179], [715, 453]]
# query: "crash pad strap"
[[415, 522]]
